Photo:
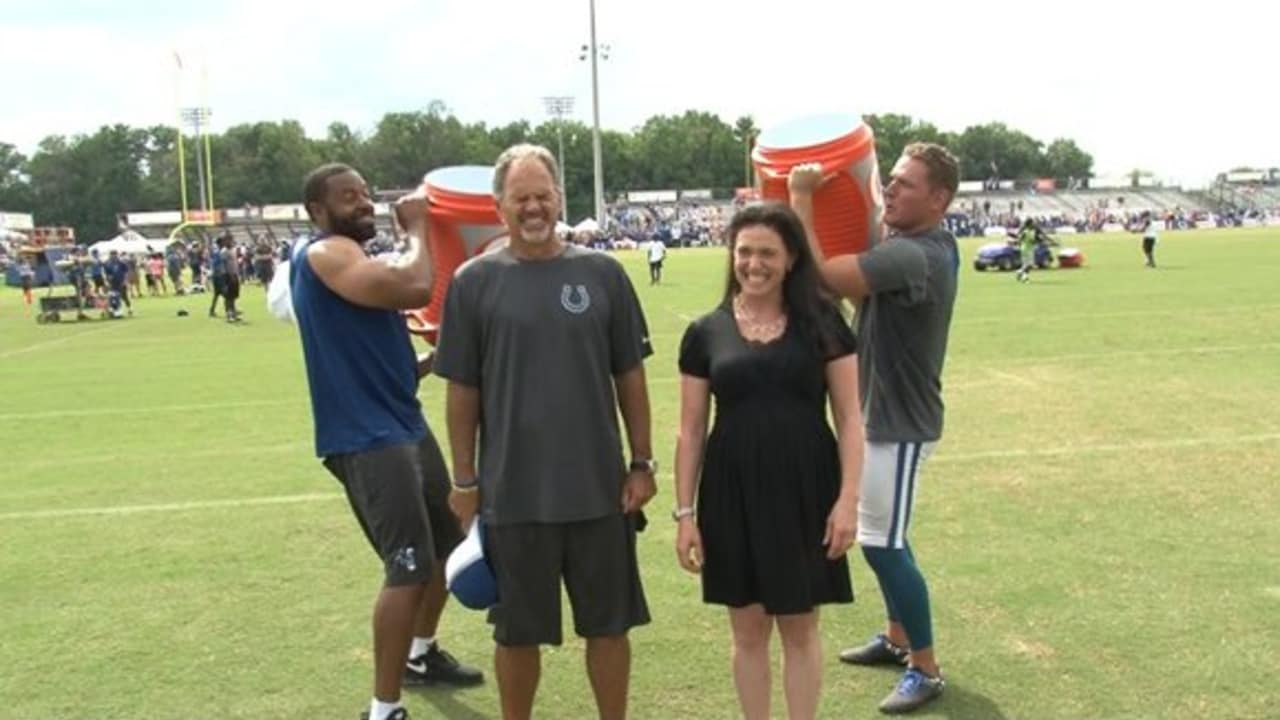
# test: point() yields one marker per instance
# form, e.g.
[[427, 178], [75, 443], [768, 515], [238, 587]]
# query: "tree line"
[[85, 180]]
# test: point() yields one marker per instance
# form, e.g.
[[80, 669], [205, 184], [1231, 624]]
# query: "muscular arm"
[[842, 274], [400, 284]]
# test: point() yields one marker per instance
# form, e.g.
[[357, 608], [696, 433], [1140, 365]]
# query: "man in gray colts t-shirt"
[[543, 341], [542, 345]]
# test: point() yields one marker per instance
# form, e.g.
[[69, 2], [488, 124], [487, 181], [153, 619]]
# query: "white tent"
[[587, 226], [129, 242]]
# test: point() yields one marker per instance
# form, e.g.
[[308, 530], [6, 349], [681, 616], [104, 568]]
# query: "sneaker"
[[877, 651], [914, 690], [397, 714], [438, 667]]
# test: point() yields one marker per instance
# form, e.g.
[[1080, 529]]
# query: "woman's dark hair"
[[808, 303]]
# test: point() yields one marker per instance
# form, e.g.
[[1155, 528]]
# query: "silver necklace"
[[755, 329]]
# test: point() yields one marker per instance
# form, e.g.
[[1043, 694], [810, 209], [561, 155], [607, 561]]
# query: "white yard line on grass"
[[61, 461], [944, 457], [57, 341], [1197, 350], [116, 510], [1010, 377], [680, 315], [90, 412], [1105, 448], [1180, 312]]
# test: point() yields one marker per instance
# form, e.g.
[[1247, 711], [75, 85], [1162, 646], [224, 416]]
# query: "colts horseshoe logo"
[[576, 305]]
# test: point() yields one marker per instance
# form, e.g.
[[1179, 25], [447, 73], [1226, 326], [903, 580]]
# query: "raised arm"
[[842, 274], [401, 284]]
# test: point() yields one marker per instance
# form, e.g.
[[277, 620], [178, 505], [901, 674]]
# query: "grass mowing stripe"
[[145, 410], [1105, 448], [171, 507]]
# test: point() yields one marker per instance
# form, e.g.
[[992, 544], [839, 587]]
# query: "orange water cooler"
[[463, 221], [848, 208]]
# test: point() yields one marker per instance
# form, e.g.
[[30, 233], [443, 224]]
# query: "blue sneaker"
[[914, 690]]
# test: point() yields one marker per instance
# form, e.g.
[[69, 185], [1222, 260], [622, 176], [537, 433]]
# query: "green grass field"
[[1099, 526]]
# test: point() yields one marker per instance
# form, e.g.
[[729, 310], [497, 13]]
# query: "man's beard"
[[353, 228]]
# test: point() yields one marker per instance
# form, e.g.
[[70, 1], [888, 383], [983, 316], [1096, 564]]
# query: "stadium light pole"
[[597, 158], [560, 107], [198, 119]]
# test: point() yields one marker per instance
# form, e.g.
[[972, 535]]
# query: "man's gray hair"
[[520, 152]]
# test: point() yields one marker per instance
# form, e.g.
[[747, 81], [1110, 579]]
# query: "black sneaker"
[[397, 714], [438, 667], [877, 651], [914, 690]]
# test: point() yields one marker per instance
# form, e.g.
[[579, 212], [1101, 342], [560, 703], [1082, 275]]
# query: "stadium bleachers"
[[1080, 202]]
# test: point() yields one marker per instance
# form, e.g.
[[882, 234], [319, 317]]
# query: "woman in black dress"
[[777, 493]]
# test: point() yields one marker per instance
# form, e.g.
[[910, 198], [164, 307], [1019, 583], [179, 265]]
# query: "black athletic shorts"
[[400, 495], [1148, 244], [595, 558]]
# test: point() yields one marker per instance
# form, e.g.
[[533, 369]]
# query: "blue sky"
[[1185, 91]]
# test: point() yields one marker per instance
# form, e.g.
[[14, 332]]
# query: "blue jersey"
[[361, 367], [117, 272]]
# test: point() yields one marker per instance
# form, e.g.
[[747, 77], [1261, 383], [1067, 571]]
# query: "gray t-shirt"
[[902, 327], [543, 340]]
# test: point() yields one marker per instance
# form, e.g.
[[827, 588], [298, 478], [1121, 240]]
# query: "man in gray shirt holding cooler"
[[905, 289], [542, 343]]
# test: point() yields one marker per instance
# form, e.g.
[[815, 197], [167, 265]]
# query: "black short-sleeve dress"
[[771, 468]]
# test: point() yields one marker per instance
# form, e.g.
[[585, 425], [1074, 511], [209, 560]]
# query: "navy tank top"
[[361, 367]]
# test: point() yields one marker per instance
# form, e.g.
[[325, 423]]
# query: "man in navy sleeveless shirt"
[[369, 428]]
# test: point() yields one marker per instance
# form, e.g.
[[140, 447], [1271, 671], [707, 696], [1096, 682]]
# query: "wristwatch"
[[648, 465], [681, 513]]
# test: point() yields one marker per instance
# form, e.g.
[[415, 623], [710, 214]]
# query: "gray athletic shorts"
[[400, 495], [595, 558]]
